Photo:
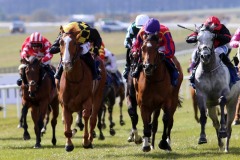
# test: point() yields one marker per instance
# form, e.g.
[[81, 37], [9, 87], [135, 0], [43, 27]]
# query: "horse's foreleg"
[[112, 124], [155, 126], [167, 126], [99, 124], [121, 105], [26, 135], [146, 117], [203, 121], [223, 130], [88, 136], [38, 116], [212, 112], [68, 119]]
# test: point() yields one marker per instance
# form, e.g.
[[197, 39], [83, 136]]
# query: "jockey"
[[222, 37], [110, 63], [166, 46], [87, 34], [37, 46], [131, 35]]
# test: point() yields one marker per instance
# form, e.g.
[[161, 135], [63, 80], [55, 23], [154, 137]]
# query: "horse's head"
[[69, 48], [150, 53], [32, 72], [205, 45]]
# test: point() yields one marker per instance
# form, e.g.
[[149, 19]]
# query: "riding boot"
[[22, 78], [173, 71], [231, 68], [87, 58], [51, 73], [137, 71], [58, 73], [127, 66], [192, 78]]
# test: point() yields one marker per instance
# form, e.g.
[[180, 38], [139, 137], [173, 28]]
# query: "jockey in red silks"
[[166, 46], [37, 46], [222, 38]]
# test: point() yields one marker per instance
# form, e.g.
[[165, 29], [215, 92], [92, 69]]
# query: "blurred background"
[[19, 18]]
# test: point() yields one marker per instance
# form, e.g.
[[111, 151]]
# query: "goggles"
[[37, 45]]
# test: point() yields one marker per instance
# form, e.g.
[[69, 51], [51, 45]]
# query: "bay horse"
[[39, 94], [154, 92], [212, 81], [78, 92]]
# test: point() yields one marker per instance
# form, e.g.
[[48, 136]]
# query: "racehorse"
[[78, 92], [213, 88], [108, 102], [39, 94], [132, 107], [154, 92], [119, 90]]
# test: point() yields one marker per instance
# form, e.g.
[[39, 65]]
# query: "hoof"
[[146, 148], [112, 132], [138, 140], [222, 134], [202, 140], [101, 137], [122, 123], [103, 126], [37, 146], [88, 146], [130, 139], [54, 141], [69, 148], [94, 134], [112, 125], [236, 122], [164, 145], [26, 136], [81, 126]]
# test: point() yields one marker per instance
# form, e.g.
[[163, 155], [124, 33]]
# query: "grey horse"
[[212, 81]]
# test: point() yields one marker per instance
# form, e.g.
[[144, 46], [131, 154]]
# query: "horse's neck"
[[160, 73]]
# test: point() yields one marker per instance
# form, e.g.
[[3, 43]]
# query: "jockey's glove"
[[95, 50]]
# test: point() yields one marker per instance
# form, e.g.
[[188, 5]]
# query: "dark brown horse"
[[154, 92], [39, 94], [78, 91], [119, 90]]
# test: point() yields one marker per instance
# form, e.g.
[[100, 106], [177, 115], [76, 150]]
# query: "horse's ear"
[[61, 29], [77, 35]]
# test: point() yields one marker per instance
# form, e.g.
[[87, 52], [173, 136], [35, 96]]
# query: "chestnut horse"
[[78, 91], [39, 94], [154, 92]]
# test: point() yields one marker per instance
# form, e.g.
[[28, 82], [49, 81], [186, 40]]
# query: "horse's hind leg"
[[55, 113]]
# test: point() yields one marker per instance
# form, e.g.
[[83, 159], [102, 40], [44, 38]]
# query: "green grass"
[[185, 134]]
